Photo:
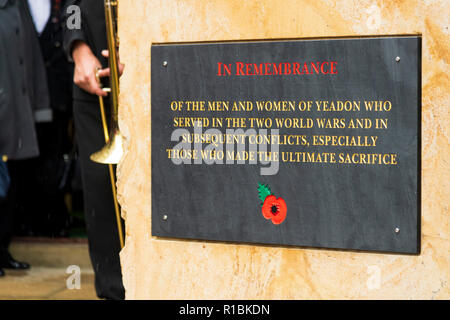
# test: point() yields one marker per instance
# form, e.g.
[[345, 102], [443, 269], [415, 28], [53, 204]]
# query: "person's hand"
[[86, 66], [105, 72]]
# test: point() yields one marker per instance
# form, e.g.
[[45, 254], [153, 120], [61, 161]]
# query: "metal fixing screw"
[[165, 217], [397, 230], [165, 63], [397, 59]]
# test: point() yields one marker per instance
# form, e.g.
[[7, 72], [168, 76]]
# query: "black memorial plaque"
[[347, 147]]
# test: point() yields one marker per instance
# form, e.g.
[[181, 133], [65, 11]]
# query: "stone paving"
[[47, 279], [40, 283]]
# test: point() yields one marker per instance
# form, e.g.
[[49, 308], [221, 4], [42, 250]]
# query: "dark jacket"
[[59, 70], [92, 32], [23, 82]]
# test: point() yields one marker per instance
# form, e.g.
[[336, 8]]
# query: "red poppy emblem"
[[273, 208]]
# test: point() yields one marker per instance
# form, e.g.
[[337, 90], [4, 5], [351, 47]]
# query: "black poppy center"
[[274, 209]]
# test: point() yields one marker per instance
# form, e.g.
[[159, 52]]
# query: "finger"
[[106, 73], [99, 92], [121, 68], [103, 73], [105, 53], [95, 87]]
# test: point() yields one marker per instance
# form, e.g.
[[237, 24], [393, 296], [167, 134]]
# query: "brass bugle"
[[112, 152]]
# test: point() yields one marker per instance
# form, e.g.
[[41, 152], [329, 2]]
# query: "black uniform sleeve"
[[72, 34]]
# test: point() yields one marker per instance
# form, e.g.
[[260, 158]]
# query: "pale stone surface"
[[167, 269]]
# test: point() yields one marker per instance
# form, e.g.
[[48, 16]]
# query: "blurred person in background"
[[24, 100], [41, 209]]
